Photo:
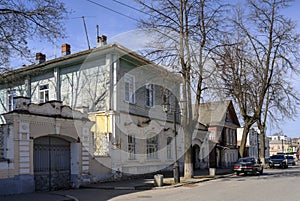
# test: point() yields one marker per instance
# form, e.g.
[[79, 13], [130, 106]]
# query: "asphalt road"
[[273, 185]]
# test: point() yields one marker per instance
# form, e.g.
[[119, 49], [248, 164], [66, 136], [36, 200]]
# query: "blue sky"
[[117, 28]]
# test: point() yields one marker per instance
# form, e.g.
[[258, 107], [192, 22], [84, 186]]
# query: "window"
[[169, 148], [166, 96], [152, 147], [227, 136], [131, 147], [44, 93], [230, 136], [129, 89], [101, 144], [211, 135], [149, 95], [234, 138], [11, 100]]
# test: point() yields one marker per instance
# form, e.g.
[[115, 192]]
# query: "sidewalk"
[[130, 184], [146, 184]]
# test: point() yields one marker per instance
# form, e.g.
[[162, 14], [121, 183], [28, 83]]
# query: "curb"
[[156, 188]]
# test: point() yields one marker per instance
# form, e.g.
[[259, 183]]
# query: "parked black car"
[[278, 160], [248, 165], [291, 160]]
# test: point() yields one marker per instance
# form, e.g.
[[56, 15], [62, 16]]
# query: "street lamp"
[[166, 109]]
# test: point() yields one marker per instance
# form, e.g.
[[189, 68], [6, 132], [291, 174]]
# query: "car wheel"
[[237, 173]]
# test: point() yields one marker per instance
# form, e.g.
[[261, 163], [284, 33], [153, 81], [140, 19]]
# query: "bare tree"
[[186, 33], [281, 102], [266, 44], [22, 20]]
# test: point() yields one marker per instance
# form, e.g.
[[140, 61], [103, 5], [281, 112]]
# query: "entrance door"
[[195, 157], [51, 163]]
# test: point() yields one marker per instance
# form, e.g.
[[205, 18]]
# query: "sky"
[[123, 30]]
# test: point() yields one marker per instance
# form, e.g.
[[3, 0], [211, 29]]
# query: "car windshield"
[[277, 157], [246, 160], [290, 157]]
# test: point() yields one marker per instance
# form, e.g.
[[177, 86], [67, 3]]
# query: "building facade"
[[222, 123], [121, 93], [253, 142], [280, 143]]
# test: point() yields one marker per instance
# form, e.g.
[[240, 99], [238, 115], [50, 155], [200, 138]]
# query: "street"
[[273, 185]]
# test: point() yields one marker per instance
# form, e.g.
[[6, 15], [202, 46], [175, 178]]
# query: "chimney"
[[102, 40], [40, 58], [65, 49]]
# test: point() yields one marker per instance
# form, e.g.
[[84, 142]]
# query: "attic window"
[[44, 93]]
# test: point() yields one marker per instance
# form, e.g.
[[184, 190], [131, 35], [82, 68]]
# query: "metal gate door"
[[51, 163]]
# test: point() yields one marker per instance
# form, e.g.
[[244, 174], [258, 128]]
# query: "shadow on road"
[[292, 171]]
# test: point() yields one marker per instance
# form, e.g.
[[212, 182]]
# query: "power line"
[[98, 4], [124, 4]]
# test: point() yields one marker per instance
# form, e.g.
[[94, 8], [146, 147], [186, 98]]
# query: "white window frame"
[[44, 93], [131, 140], [152, 147], [211, 136], [169, 148], [149, 95], [11, 101], [130, 80]]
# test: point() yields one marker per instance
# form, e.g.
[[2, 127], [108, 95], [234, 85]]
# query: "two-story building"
[[121, 92], [221, 120], [279, 143]]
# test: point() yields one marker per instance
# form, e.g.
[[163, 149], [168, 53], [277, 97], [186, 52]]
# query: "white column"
[[24, 148], [86, 149]]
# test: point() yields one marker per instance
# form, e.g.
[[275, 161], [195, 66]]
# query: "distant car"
[[291, 160], [278, 160], [248, 165], [267, 160]]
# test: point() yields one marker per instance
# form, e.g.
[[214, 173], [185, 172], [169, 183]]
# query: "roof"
[[218, 113], [79, 57]]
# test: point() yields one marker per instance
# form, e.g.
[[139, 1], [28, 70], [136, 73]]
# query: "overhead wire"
[[131, 7], [112, 10]]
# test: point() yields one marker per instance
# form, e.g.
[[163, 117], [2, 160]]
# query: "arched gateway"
[[48, 145]]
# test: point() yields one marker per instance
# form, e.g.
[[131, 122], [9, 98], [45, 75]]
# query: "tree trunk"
[[244, 139], [262, 153], [188, 164]]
